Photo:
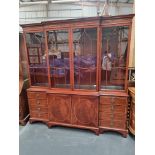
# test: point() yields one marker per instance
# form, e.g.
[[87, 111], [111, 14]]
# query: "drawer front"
[[39, 115], [113, 108], [112, 116], [105, 99], [39, 109], [38, 102], [113, 100], [113, 124], [106, 108], [120, 101], [36, 95]]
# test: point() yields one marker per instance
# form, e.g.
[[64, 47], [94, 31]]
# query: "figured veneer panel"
[[85, 110], [60, 108]]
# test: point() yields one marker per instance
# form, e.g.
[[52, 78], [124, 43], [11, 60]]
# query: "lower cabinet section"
[[74, 111], [113, 114], [97, 113]]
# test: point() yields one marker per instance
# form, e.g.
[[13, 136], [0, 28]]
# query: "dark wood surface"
[[96, 110]]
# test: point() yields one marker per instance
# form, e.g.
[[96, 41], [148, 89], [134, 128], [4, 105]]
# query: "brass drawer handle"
[[112, 107], [112, 100], [111, 123], [112, 116]]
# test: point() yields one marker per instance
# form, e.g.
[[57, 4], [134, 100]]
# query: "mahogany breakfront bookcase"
[[78, 72]]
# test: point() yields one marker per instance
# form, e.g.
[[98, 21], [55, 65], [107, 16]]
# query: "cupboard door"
[[37, 59], [85, 111], [85, 58], [114, 57], [59, 58], [59, 108]]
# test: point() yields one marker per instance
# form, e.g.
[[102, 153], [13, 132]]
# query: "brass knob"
[[38, 108], [38, 102]]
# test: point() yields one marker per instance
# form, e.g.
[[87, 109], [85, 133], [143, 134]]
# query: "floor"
[[37, 139]]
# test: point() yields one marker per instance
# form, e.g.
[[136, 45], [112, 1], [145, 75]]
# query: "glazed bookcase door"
[[35, 43], [85, 58], [113, 57], [59, 59]]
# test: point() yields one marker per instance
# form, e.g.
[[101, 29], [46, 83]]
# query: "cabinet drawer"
[[37, 102], [39, 109], [36, 95], [105, 99], [112, 116], [113, 124], [39, 115], [120, 100], [105, 108], [113, 100]]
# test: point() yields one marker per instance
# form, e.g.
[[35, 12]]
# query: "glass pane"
[[37, 58], [114, 52], [58, 50], [85, 52]]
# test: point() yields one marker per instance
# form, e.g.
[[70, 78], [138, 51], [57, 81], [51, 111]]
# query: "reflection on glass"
[[114, 52], [85, 50], [37, 58], [58, 50]]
